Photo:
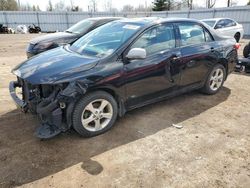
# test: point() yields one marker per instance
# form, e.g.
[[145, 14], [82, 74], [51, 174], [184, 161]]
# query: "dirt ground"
[[142, 150]]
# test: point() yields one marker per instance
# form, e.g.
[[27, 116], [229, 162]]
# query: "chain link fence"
[[59, 21]]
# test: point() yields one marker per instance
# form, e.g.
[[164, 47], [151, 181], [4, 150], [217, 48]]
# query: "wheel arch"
[[224, 62], [107, 89], [238, 32], [113, 92]]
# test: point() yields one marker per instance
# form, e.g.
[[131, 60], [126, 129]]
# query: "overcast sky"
[[120, 3]]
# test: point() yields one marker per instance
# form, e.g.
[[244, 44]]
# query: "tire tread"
[[206, 88], [77, 112]]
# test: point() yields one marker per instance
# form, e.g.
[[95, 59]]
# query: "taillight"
[[236, 46]]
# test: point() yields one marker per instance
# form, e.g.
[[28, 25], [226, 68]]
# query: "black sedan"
[[118, 67], [50, 41]]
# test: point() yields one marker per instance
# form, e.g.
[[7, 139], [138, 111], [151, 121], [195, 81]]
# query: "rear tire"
[[237, 37], [215, 80], [94, 114]]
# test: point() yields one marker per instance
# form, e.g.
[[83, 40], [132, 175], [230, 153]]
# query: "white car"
[[226, 27]]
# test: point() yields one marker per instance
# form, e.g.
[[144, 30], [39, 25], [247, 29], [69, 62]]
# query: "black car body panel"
[[54, 40], [54, 81], [61, 63]]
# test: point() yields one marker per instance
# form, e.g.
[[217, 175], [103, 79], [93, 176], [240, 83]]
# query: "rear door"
[[152, 77], [198, 52]]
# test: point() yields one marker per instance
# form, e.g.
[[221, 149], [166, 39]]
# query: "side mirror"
[[137, 53]]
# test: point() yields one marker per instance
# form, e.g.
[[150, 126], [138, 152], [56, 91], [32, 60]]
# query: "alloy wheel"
[[97, 115], [216, 79]]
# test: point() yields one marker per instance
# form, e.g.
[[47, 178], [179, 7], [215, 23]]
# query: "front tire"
[[215, 80], [94, 114]]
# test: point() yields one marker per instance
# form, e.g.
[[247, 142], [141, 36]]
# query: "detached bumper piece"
[[52, 126], [51, 116]]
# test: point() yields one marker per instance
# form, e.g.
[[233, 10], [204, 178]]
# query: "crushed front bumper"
[[19, 102], [52, 103], [50, 115]]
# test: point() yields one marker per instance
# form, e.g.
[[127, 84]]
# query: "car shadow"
[[24, 158]]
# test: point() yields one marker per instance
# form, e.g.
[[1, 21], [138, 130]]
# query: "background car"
[[50, 41], [118, 67], [243, 65], [226, 27]]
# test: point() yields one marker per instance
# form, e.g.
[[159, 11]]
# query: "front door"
[[155, 75]]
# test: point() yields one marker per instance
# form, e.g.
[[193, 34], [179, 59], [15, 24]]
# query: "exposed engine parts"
[[50, 102]]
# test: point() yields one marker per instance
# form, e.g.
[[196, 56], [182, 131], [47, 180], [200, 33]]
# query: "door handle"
[[212, 49], [191, 63], [176, 58]]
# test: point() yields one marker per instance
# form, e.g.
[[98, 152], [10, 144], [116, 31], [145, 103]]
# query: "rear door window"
[[221, 24], [192, 33]]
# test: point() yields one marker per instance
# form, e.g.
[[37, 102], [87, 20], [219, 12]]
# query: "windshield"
[[210, 22], [104, 40], [80, 27]]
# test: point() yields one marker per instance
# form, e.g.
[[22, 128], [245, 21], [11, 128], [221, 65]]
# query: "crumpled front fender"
[[73, 91]]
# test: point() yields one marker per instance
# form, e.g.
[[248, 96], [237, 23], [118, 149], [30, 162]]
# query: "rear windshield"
[[80, 27]]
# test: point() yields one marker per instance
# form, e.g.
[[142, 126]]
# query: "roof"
[[104, 18], [152, 20], [214, 19]]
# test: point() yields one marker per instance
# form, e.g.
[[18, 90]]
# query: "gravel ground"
[[142, 150]]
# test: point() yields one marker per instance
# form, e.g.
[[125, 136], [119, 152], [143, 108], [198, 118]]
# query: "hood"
[[53, 66], [55, 37]]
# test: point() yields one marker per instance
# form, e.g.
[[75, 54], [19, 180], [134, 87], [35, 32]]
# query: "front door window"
[[157, 39]]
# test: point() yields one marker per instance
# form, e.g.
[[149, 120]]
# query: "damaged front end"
[[53, 103]]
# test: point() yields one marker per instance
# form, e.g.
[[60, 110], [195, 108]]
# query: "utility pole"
[[19, 5], [228, 3]]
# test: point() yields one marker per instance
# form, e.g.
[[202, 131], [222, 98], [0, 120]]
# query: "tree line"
[[156, 5], [161, 5]]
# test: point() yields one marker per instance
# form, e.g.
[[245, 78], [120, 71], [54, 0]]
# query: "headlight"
[[44, 45], [17, 73]]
